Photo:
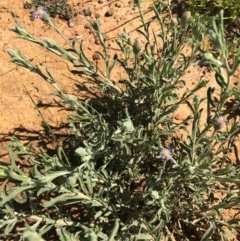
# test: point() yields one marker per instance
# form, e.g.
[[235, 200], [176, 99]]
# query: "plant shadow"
[[48, 137]]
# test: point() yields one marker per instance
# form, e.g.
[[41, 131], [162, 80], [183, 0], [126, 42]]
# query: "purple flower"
[[220, 121], [40, 12], [165, 154]]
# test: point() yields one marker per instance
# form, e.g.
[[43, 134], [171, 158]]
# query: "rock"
[[118, 5], [97, 15], [109, 13], [71, 23], [97, 41]]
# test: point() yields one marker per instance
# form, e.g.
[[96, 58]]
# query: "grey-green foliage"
[[119, 188]]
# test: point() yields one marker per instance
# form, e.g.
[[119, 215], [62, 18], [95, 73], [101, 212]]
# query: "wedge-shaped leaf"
[[47, 188], [83, 57], [84, 153], [13, 192], [3, 171], [64, 235], [48, 177], [206, 236], [82, 184], [144, 236], [128, 125], [89, 183], [10, 224], [21, 178], [45, 228], [114, 231], [66, 198], [32, 235]]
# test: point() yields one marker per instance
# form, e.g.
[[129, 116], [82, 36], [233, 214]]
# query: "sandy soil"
[[18, 114]]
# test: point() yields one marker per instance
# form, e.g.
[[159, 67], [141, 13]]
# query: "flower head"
[[165, 154], [40, 12], [220, 121]]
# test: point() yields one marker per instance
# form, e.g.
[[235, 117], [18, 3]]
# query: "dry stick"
[[170, 234]]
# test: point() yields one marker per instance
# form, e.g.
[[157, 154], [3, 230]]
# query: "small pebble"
[[75, 12], [71, 23], [86, 26], [97, 41], [97, 15], [118, 5], [109, 13]]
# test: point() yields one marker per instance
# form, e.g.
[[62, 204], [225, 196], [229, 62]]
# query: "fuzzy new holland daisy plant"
[[105, 182]]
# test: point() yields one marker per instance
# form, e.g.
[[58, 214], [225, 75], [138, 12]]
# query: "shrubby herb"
[[106, 182]]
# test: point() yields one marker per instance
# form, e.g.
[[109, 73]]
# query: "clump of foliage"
[[231, 8], [55, 8], [134, 172], [209, 8]]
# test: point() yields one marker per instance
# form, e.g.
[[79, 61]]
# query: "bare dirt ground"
[[18, 115]]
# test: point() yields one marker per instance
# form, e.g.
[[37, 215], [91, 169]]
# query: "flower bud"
[[174, 21], [187, 15], [136, 47]]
